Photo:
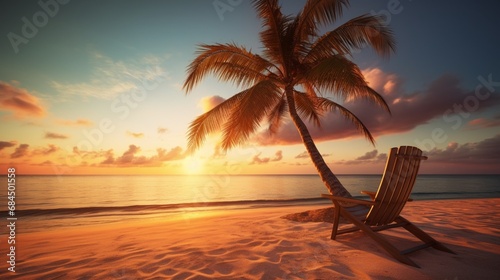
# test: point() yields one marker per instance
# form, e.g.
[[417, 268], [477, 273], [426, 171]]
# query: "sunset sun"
[[193, 165]]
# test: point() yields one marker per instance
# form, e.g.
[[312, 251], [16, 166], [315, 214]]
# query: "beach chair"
[[383, 211]]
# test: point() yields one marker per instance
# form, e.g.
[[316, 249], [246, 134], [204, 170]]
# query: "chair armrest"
[[348, 200], [369, 193], [372, 195]]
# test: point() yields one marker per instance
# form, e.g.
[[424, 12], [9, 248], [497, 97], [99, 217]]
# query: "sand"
[[258, 244]]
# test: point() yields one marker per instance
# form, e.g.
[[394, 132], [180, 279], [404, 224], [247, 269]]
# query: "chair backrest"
[[396, 185]]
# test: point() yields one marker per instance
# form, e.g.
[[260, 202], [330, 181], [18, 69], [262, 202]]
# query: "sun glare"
[[193, 165]]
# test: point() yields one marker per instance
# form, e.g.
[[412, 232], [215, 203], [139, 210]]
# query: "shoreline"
[[257, 243], [36, 220]]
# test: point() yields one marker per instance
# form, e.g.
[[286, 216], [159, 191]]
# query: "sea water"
[[109, 197]]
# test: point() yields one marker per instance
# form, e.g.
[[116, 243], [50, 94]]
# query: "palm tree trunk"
[[331, 181]]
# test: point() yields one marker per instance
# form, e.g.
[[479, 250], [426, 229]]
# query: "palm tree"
[[296, 67]]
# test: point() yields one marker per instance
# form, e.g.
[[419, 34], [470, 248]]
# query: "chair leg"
[[420, 234], [336, 219], [379, 239]]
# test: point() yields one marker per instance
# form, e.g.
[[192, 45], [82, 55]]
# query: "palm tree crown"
[[297, 66]]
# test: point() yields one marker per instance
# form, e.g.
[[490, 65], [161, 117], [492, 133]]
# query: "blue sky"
[[78, 69]]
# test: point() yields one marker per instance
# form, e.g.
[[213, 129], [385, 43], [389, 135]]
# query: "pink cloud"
[[20, 151], [174, 154], [484, 123], [46, 151], [305, 154], [368, 157], [485, 152], [4, 144], [131, 157], [278, 156], [443, 99], [93, 154], [208, 103], [467, 158], [52, 135], [20, 102], [78, 122], [384, 83]]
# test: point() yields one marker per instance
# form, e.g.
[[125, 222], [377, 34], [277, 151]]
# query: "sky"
[[95, 87]]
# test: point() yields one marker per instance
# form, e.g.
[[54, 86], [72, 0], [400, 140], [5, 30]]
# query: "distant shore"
[[249, 243]]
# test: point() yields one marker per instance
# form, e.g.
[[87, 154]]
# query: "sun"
[[193, 165]]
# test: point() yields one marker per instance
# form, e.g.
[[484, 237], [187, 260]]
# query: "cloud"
[[483, 123], [305, 154], [110, 78], [174, 154], [131, 157], [218, 152], [78, 122], [278, 156], [442, 99], [4, 144], [258, 160], [384, 83], [162, 130], [482, 155], [52, 135], [46, 151], [20, 151], [109, 160], [208, 103], [20, 102], [135, 134], [93, 154], [128, 158], [485, 152], [368, 157], [45, 163]]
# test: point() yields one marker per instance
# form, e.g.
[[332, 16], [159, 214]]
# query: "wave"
[[461, 195], [147, 209], [201, 206]]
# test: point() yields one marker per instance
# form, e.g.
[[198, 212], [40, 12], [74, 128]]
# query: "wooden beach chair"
[[383, 211]]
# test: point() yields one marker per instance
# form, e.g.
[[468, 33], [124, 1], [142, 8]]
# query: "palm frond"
[[276, 115], [307, 107], [328, 104], [294, 55], [317, 12], [210, 122], [357, 33], [375, 97], [342, 77], [274, 24], [245, 117], [229, 63]]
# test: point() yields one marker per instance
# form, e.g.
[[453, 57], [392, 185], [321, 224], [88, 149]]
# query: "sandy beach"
[[258, 244]]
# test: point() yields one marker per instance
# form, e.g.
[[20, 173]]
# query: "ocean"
[[52, 201]]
